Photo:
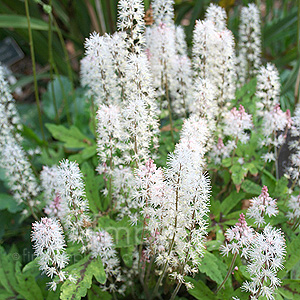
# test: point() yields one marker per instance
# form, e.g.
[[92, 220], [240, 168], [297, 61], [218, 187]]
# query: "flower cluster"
[[239, 237], [261, 206], [174, 204], [266, 255], [275, 126], [131, 20], [249, 57], [294, 213], [236, 122], [267, 89], [13, 157], [50, 248]]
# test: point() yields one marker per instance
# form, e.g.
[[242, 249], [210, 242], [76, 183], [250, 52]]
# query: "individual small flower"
[[238, 238], [50, 248], [266, 254], [261, 206], [249, 46], [268, 88], [236, 122]]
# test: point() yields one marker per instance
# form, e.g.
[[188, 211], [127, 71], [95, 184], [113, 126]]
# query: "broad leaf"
[[84, 271]]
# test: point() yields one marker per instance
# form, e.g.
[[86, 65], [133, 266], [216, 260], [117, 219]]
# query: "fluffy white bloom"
[[238, 238], [10, 122], [293, 170], [139, 86], [275, 126], [195, 134], [22, 180], [204, 104], [249, 57], [131, 20], [266, 255], [214, 59], [55, 207], [294, 206], [181, 85], [163, 11], [161, 50], [68, 200], [181, 45], [102, 245], [72, 191], [236, 122], [267, 88], [98, 72], [174, 203], [217, 15], [49, 246], [220, 151], [111, 137], [204, 49], [261, 206]]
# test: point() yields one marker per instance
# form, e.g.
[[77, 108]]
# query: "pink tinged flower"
[[236, 122], [237, 237], [262, 205]]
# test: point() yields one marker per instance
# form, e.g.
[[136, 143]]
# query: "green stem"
[[51, 63], [36, 92], [173, 239], [176, 290], [228, 273], [162, 275], [69, 68]]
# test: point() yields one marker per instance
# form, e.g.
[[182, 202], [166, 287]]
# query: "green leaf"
[[84, 154], [54, 99], [73, 138], [238, 173], [250, 187], [226, 162], [27, 285], [92, 185], [127, 255], [17, 21], [95, 293], [84, 270], [290, 289], [7, 271], [210, 266], [123, 233], [231, 201], [292, 256], [8, 202], [200, 290]]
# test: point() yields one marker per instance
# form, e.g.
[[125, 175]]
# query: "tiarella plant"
[[161, 176]]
